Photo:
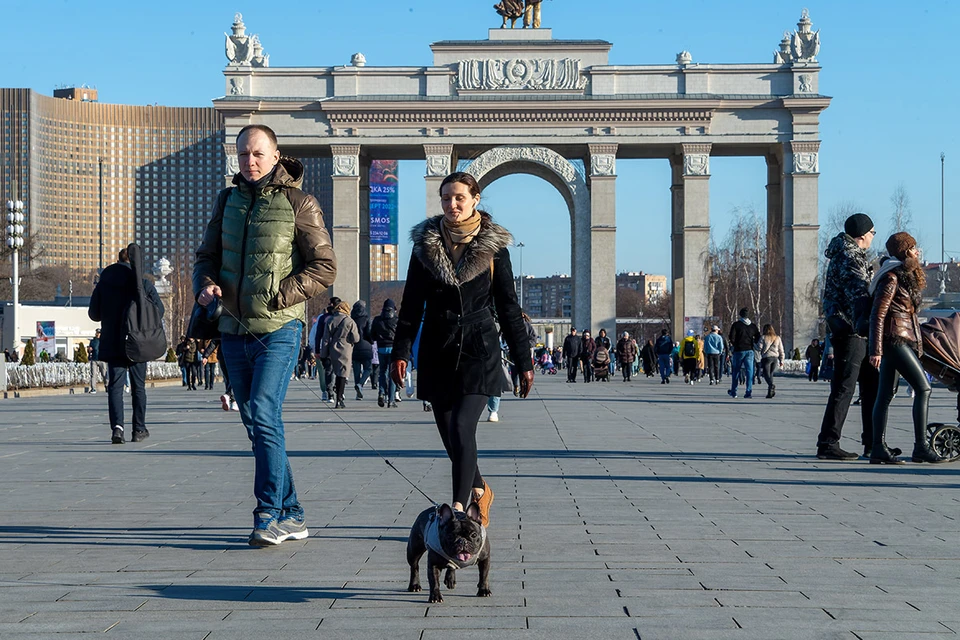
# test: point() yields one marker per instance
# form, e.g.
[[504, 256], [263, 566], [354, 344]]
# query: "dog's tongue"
[[463, 557]]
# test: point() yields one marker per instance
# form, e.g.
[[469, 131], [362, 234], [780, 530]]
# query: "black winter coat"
[[115, 290], [459, 351], [383, 329], [363, 350]]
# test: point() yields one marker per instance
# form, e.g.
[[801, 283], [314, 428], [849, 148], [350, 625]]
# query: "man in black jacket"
[[382, 331], [115, 290], [743, 335], [571, 354], [846, 304]]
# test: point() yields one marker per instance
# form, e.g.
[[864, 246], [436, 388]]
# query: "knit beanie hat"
[[858, 225], [899, 243], [389, 304]]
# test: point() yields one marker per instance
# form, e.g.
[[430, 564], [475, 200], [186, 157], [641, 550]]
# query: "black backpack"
[[142, 321], [689, 348]]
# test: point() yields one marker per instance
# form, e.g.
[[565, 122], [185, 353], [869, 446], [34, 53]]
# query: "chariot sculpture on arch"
[[243, 50]]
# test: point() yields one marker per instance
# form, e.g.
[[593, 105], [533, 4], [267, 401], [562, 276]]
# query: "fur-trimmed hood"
[[429, 250]]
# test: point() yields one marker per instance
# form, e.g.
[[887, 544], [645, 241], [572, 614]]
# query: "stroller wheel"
[[945, 442]]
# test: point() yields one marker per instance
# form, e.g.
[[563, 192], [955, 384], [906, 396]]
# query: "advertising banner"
[[384, 205], [46, 337]]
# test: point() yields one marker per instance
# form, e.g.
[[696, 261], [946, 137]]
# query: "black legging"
[[901, 359], [768, 366], [457, 420]]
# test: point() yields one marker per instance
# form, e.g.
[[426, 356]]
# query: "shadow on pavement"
[[261, 593]]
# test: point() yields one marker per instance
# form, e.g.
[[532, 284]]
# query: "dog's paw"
[[484, 592], [435, 596], [450, 580], [414, 588]]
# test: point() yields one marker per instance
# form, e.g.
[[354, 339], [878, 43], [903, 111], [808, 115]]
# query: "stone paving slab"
[[622, 511]]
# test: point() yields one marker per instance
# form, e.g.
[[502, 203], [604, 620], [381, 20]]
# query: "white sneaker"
[[126, 389], [234, 406], [93, 390], [493, 417], [225, 402]]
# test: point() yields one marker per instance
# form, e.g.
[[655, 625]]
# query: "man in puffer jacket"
[[846, 304], [363, 350], [265, 253]]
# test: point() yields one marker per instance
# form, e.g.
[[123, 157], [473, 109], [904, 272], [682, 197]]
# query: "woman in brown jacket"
[[895, 344]]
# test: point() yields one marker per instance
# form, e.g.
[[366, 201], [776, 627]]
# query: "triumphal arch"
[[523, 102]]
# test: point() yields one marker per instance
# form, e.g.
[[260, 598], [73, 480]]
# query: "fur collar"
[[429, 250]]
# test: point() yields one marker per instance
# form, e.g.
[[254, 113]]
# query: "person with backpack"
[[744, 335], [689, 356], [110, 305], [264, 253], [713, 349]]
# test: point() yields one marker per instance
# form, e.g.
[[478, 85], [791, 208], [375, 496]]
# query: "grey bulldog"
[[454, 540]]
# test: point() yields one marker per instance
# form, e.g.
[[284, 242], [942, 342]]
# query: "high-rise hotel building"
[[146, 173], [150, 173]]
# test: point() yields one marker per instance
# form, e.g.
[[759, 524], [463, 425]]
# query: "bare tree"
[[901, 218]]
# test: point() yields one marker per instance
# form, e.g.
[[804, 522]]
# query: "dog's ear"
[[445, 513], [473, 512]]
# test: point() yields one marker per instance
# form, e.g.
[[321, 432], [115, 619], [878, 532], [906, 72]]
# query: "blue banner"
[[384, 205]]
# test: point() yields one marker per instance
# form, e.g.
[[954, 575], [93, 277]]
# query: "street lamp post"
[[943, 264], [519, 246], [15, 242]]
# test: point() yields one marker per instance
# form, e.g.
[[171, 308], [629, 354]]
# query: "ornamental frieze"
[[346, 118], [536, 74]]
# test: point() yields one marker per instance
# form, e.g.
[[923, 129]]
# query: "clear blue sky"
[[888, 66]]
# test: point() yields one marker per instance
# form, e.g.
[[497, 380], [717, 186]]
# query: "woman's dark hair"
[[769, 331], [462, 178]]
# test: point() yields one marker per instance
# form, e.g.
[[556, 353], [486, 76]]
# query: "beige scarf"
[[457, 235]]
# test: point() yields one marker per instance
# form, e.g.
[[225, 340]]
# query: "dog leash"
[[339, 417]]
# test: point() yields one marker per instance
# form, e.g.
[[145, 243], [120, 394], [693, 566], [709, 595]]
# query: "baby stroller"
[[941, 359], [546, 364], [601, 364]]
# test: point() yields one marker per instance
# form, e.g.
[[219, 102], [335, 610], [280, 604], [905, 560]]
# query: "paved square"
[[622, 511]]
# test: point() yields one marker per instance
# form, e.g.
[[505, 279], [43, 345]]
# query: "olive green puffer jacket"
[[268, 250]]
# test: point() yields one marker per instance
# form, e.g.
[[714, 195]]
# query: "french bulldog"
[[462, 542]]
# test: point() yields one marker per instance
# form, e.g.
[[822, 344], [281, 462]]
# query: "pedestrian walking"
[[267, 241], [648, 356], [626, 354], [339, 337], [664, 350], [743, 339], [588, 348], [814, 354], [115, 291], [713, 351], [771, 356], [97, 366], [383, 330], [846, 308], [458, 282], [363, 350], [896, 345], [572, 347], [690, 355]]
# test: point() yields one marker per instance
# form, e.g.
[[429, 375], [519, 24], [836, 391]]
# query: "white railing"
[[73, 374]]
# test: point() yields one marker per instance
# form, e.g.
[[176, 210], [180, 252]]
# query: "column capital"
[[696, 159], [346, 160], [803, 157], [603, 160], [438, 159]]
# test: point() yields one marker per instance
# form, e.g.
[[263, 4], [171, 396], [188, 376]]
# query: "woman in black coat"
[[460, 283]]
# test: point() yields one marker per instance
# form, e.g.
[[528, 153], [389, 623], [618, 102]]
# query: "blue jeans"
[[665, 362], [386, 387], [742, 359], [493, 404], [260, 367]]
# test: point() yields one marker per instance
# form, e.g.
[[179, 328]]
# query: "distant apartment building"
[[383, 262], [150, 173], [651, 287], [552, 297]]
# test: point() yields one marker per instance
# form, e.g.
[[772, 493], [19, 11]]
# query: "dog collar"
[[431, 539]]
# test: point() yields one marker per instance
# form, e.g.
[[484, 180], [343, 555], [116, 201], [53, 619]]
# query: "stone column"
[[439, 160], [603, 240], [676, 244], [800, 235], [231, 164], [346, 220], [691, 234], [364, 239]]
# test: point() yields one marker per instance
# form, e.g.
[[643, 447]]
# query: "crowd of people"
[[460, 324]]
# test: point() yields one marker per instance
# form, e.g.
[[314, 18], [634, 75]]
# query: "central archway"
[[549, 165]]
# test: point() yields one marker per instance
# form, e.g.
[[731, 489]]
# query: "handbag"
[[507, 380]]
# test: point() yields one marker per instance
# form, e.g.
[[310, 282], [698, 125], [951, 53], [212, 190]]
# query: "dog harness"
[[431, 538]]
